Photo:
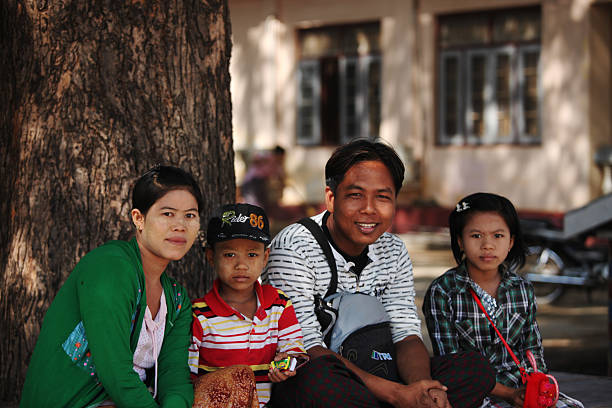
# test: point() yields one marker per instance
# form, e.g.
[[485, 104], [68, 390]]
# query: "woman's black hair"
[[360, 150], [158, 181], [488, 202]]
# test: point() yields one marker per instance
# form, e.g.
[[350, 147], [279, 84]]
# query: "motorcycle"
[[575, 255]]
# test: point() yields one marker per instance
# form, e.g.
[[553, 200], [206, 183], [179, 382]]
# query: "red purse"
[[542, 390]]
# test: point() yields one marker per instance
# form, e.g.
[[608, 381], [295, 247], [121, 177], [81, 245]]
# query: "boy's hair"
[[158, 181], [238, 221], [488, 202], [360, 150]]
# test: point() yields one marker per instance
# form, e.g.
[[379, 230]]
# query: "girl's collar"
[[508, 278]]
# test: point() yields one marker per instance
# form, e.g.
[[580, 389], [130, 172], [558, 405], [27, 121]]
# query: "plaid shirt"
[[455, 322]]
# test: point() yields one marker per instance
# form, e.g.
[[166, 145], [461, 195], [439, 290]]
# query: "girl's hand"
[[275, 375], [515, 396], [518, 397]]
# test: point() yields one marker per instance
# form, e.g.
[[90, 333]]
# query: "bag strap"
[[521, 369], [319, 235]]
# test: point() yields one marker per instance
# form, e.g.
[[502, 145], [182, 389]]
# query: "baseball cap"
[[234, 221]]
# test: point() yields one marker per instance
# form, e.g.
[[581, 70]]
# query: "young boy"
[[240, 321]]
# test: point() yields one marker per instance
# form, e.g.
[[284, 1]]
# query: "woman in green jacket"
[[117, 333]]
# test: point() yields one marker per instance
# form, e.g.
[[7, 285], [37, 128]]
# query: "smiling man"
[[363, 178]]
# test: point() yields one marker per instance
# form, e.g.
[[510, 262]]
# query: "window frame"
[[442, 91], [362, 108], [511, 52], [522, 134], [464, 54], [315, 137], [362, 96], [468, 134]]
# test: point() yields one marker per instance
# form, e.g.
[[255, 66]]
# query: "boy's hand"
[[275, 375]]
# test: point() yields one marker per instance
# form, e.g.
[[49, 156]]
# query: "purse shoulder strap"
[[479, 303], [319, 235]]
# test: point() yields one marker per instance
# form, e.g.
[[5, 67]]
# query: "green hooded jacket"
[[84, 353]]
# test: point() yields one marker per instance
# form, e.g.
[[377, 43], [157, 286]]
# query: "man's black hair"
[[360, 150]]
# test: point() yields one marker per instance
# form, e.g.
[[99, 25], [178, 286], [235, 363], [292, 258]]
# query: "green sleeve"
[[437, 310], [107, 296], [174, 384]]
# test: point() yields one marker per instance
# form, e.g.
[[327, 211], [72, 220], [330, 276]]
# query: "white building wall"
[[253, 72], [263, 86], [554, 176]]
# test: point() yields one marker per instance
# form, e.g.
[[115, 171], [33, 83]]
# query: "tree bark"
[[92, 94]]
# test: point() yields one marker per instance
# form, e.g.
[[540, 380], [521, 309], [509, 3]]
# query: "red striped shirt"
[[223, 337]]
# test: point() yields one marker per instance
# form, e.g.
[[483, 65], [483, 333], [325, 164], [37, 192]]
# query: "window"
[[488, 77], [339, 75]]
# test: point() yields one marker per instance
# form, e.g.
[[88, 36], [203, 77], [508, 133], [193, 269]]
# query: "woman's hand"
[[275, 375]]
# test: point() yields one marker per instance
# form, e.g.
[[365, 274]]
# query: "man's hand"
[[423, 393], [440, 398], [420, 394], [413, 364]]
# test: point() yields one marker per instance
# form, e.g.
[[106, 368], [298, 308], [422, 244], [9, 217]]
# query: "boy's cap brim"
[[225, 237]]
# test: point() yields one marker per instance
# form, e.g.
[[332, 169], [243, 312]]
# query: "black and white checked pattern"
[[456, 324]]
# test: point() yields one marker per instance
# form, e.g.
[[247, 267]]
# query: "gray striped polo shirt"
[[298, 267]]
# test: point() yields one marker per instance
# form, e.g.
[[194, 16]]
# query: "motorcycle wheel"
[[544, 261]]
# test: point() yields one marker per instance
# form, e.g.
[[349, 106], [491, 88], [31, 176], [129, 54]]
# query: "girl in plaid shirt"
[[488, 246]]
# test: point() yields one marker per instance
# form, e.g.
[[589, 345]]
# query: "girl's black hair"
[[360, 150], [488, 202], [158, 181]]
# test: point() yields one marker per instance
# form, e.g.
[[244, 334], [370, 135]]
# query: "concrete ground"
[[574, 331]]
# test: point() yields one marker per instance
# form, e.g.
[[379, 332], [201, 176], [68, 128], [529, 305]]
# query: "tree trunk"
[[92, 94]]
